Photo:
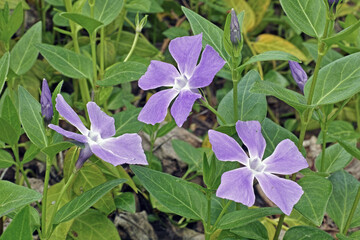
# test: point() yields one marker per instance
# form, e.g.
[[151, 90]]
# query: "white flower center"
[[94, 136], [256, 165], [181, 83]]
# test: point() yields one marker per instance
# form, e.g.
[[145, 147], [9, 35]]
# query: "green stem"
[[43, 16], [121, 23], [254, 53], [207, 105], [102, 53], [279, 226], [235, 100], [44, 200], [136, 38], [324, 131], [208, 220], [93, 54], [357, 109], [339, 110], [223, 211], [352, 212]]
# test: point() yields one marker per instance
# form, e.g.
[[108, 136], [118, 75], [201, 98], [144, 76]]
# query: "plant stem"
[[324, 131], [352, 212], [207, 105], [208, 220], [254, 53], [357, 109], [44, 200], [136, 38], [43, 17], [93, 54], [102, 53], [223, 211], [278, 228]]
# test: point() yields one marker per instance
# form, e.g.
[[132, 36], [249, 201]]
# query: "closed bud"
[[333, 2], [298, 74], [84, 155], [46, 103], [235, 32]]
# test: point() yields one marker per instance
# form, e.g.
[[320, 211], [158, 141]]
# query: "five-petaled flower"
[[237, 185], [99, 139], [184, 83]]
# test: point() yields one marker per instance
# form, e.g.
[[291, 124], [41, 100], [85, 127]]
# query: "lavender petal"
[[250, 134], [186, 51], [284, 193], [46, 102], [286, 159], [157, 75], [155, 109], [226, 148], [182, 106], [100, 121], [298, 74], [237, 185], [75, 136], [84, 155], [209, 65]]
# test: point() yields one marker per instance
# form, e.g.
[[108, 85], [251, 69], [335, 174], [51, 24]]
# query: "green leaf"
[[313, 202], [30, 117], [55, 148], [251, 106], [90, 176], [350, 148], [20, 227], [105, 11], [10, 115], [4, 68], [336, 158], [122, 72], [126, 121], [339, 130], [165, 129], [6, 160], [212, 34], [175, 32], [307, 15], [270, 56], [14, 22], [290, 97], [138, 5], [126, 201], [93, 225], [345, 187], [24, 53], [255, 230], [90, 24], [14, 196], [67, 62], [81, 203], [306, 233], [342, 35], [246, 216], [328, 58], [30, 153], [337, 81], [8, 133], [177, 195], [188, 154]]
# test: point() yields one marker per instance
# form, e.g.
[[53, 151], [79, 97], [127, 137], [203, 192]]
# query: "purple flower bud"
[[46, 103], [84, 155], [298, 74], [235, 33], [331, 2]]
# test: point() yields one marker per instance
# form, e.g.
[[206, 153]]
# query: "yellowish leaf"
[[269, 42], [346, 9], [259, 7], [269, 225], [242, 5]]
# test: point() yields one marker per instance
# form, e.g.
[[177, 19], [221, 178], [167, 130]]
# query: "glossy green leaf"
[[122, 72], [30, 117], [90, 24], [175, 194], [242, 217], [126, 201], [270, 56], [6, 160], [251, 106], [67, 62], [294, 99], [255, 230], [307, 15], [313, 202], [105, 11], [345, 187], [336, 158], [83, 202], [187, 153], [93, 225], [24, 53], [55, 148], [306, 233], [211, 34], [20, 227], [337, 81], [14, 196], [126, 121], [4, 68]]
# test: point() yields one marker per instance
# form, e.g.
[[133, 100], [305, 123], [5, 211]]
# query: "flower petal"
[[205, 72], [158, 74], [155, 109], [100, 121], [68, 134], [186, 51], [237, 185], [182, 106], [250, 134], [226, 148], [126, 148], [284, 193], [286, 159], [84, 155], [69, 114]]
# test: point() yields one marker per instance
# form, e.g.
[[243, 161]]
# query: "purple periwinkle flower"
[[237, 185], [298, 74], [184, 82], [235, 32], [46, 103], [99, 139]]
